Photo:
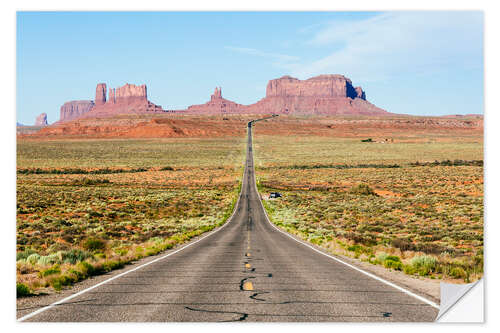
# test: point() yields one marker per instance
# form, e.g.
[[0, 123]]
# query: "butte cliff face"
[[75, 109], [323, 95], [319, 86], [129, 98], [41, 120], [100, 94], [217, 104]]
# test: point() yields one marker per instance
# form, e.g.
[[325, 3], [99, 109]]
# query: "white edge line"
[[138, 267], [420, 298]]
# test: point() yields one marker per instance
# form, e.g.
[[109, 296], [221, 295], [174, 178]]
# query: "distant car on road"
[[275, 195]]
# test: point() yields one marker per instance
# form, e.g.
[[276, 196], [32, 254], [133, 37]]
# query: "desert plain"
[[397, 191]]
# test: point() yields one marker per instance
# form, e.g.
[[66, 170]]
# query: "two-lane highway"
[[247, 270]]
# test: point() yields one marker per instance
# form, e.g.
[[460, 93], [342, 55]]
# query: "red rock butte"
[[75, 109], [216, 105], [128, 99], [330, 94], [322, 95]]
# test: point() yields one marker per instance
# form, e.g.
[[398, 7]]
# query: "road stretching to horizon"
[[247, 270]]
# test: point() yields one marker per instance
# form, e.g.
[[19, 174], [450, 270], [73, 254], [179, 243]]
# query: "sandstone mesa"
[[128, 99], [330, 94]]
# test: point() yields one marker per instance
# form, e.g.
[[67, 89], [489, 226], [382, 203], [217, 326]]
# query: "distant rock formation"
[[318, 86], [329, 94], [130, 93], [75, 109], [217, 104], [360, 93], [100, 94], [129, 98], [217, 94], [324, 94], [111, 97], [41, 120]]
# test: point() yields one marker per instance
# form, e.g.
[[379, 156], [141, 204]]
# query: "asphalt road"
[[245, 271]]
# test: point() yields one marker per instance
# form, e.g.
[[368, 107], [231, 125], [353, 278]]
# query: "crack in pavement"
[[242, 314], [83, 303], [254, 296]]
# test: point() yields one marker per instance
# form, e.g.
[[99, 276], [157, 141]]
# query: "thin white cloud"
[[395, 43], [255, 52]]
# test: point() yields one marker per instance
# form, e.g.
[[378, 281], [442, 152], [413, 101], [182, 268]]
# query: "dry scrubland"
[[85, 207], [373, 201]]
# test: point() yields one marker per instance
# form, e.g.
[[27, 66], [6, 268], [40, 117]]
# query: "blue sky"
[[422, 63]]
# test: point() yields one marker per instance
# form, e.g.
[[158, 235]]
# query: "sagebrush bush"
[[24, 254], [458, 273], [51, 259], [424, 264], [94, 244], [22, 290], [75, 256], [85, 268], [50, 271], [362, 189], [393, 262], [397, 265], [33, 258]]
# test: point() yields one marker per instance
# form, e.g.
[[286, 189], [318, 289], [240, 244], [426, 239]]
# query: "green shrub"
[[397, 265], [50, 271], [381, 257], [85, 268], [355, 248], [94, 244], [393, 258], [424, 264], [24, 254], [49, 260], [78, 275], [121, 251], [22, 290], [100, 255], [362, 189], [63, 280], [458, 273], [108, 266], [393, 262], [75, 256], [33, 258], [87, 181], [409, 269]]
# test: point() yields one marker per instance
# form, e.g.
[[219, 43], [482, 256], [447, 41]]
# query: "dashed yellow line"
[[248, 265], [247, 286], [248, 254]]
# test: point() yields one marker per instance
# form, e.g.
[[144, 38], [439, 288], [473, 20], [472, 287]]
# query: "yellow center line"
[[248, 254], [247, 286], [248, 265]]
